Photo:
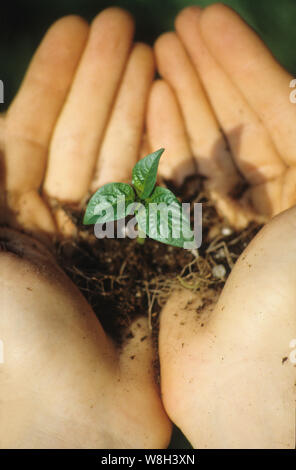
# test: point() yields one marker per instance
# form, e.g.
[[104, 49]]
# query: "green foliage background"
[[23, 24]]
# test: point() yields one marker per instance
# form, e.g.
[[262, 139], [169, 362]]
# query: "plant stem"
[[141, 237]]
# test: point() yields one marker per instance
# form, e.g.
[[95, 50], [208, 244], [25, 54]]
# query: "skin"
[[25, 137], [200, 122], [227, 381], [215, 48], [82, 80], [165, 128], [90, 100], [225, 378], [130, 109], [64, 384], [203, 134]]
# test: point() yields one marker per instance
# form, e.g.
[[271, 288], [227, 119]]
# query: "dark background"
[[23, 23]]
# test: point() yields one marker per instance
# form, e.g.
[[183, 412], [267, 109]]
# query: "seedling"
[[158, 212]]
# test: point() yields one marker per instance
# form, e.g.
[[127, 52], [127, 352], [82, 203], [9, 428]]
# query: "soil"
[[123, 280]]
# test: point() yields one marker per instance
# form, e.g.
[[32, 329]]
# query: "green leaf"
[[144, 174], [109, 203], [163, 219]]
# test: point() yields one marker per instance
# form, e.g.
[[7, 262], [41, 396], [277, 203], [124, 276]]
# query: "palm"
[[63, 137], [227, 379], [233, 84], [226, 376], [63, 133], [54, 153]]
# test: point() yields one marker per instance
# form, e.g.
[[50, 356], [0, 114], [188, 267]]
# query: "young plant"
[[157, 210]]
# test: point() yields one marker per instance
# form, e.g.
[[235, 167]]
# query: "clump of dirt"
[[123, 280]]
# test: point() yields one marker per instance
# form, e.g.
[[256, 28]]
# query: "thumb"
[[137, 377], [228, 369]]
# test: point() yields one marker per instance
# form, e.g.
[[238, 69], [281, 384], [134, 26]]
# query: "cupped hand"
[[228, 361], [63, 384], [225, 101], [77, 121], [228, 368]]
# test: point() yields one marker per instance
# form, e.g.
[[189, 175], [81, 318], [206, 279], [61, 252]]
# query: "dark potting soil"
[[123, 280]]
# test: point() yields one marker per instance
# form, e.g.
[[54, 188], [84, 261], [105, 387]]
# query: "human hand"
[[63, 383], [230, 81], [226, 377], [63, 134], [227, 368]]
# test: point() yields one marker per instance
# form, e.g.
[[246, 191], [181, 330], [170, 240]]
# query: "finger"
[[31, 214], [255, 72], [266, 198], [206, 141], [251, 146], [240, 212], [288, 196], [34, 111], [121, 144], [66, 228], [165, 128], [79, 130], [144, 147]]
